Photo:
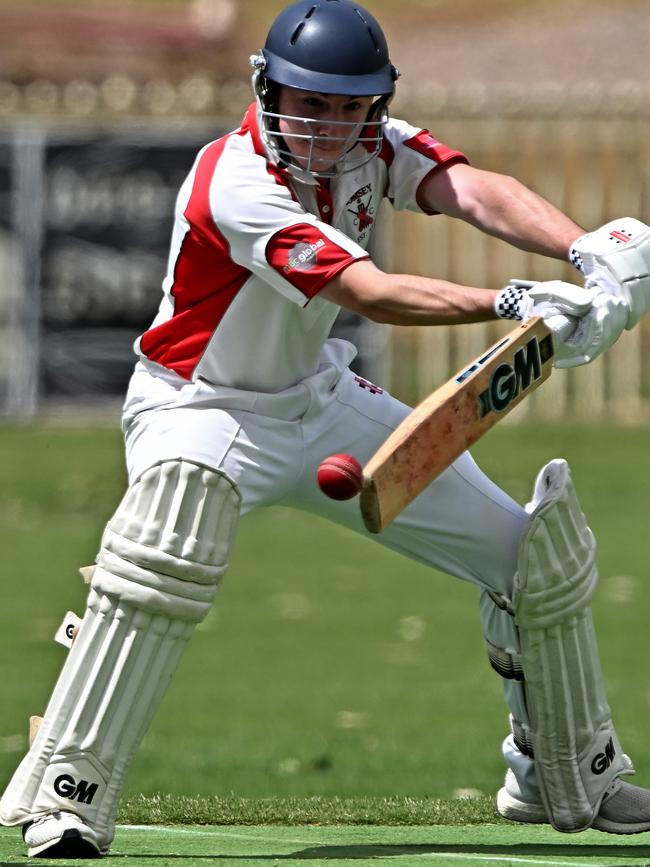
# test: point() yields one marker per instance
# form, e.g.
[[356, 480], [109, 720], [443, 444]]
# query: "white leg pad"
[[576, 749], [162, 557]]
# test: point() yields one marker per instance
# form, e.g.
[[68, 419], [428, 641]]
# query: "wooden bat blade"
[[452, 418]]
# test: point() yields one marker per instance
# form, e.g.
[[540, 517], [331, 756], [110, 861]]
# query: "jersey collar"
[[250, 125]]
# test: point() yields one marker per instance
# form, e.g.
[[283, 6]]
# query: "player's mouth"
[[328, 147]]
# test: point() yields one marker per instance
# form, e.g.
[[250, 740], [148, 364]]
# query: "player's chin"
[[318, 165], [320, 160]]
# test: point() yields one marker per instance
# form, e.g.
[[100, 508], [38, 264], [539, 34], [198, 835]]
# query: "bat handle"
[[561, 326]]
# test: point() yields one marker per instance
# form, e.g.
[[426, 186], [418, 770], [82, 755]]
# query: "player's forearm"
[[424, 301], [507, 209], [406, 299]]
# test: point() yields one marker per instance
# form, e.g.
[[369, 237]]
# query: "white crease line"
[[211, 833], [510, 859]]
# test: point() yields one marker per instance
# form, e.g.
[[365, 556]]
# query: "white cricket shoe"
[[625, 809], [513, 804], [61, 835]]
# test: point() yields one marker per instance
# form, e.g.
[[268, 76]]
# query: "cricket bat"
[[454, 417]]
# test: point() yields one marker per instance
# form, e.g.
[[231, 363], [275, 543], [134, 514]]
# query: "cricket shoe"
[[61, 835], [625, 809]]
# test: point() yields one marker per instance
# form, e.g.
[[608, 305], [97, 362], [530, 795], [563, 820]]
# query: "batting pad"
[[162, 556], [576, 749]]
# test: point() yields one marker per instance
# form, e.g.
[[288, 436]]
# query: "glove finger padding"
[[560, 297], [521, 299], [594, 333]]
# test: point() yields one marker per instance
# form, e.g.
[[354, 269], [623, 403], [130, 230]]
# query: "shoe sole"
[[70, 845], [609, 827], [519, 811]]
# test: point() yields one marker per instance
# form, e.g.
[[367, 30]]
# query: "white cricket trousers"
[[462, 524]]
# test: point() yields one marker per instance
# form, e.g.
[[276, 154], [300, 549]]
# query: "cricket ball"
[[340, 477]]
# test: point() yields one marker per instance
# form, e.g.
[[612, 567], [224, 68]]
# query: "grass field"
[[474, 846], [331, 674]]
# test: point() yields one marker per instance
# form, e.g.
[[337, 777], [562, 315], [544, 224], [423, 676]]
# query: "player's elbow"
[[375, 303], [488, 195], [364, 289]]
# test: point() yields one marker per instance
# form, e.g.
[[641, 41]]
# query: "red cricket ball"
[[340, 477]]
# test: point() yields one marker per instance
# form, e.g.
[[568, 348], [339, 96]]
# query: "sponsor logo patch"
[[303, 256]]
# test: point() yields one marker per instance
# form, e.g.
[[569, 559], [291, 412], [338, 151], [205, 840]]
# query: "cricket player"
[[239, 392]]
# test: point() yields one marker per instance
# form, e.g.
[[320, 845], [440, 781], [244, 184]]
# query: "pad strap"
[[505, 663]]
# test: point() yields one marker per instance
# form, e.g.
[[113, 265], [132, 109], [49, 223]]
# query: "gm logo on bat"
[[510, 379]]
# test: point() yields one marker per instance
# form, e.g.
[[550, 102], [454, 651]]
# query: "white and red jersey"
[[251, 249]]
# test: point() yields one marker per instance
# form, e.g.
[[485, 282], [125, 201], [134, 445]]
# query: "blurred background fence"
[[89, 170]]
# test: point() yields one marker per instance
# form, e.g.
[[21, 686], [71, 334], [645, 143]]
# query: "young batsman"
[[239, 393]]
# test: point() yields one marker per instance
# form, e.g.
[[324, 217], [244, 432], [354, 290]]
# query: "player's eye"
[[314, 103]]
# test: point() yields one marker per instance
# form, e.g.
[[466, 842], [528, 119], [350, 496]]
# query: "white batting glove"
[[595, 332], [616, 259], [599, 317], [521, 299]]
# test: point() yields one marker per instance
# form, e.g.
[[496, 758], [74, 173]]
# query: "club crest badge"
[[362, 209]]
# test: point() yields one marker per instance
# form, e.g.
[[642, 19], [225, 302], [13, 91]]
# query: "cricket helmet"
[[329, 47]]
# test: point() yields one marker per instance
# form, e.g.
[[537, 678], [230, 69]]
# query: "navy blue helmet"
[[329, 46], [326, 47]]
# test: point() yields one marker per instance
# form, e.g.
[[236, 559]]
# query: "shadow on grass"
[[366, 851]]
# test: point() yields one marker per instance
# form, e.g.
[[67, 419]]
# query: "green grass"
[[211, 810], [190, 846], [329, 669]]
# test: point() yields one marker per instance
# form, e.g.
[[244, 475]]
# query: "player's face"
[[319, 128]]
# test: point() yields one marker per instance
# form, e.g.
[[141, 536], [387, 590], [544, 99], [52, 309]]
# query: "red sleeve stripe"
[[306, 257], [424, 143], [206, 281]]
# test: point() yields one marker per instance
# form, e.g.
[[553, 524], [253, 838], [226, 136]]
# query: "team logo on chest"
[[360, 206]]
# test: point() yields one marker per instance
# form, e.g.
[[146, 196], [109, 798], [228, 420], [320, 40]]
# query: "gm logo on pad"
[[602, 761], [67, 787]]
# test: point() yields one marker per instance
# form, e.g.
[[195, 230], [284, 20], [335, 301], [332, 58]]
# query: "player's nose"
[[332, 125]]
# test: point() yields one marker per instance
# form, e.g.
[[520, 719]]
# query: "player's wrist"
[[575, 256], [513, 301]]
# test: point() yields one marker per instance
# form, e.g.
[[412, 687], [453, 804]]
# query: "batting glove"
[[598, 316], [595, 332], [616, 259], [521, 299]]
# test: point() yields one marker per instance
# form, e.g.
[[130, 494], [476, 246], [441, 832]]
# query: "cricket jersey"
[[253, 246]]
